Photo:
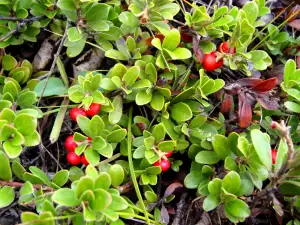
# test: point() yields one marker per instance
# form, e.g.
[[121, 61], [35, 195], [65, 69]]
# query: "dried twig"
[[19, 25], [54, 60], [285, 136], [26, 20], [19, 185]]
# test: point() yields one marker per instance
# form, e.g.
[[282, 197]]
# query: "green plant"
[[149, 86]]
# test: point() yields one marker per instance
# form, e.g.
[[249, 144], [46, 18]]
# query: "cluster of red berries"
[[70, 144], [92, 111], [164, 164], [72, 157], [210, 62]]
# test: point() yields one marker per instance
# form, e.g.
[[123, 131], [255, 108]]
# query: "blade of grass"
[[59, 121], [62, 71], [279, 27], [131, 168]]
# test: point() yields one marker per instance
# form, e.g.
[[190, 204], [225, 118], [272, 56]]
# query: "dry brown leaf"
[[89, 61], [45, 54]]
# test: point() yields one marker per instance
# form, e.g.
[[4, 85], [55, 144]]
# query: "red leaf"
[[249, 82], [171, 188], [226, 104], [245, 112], [164, 215], [266, 85], [295, 24], [267, 102], [197, 50]]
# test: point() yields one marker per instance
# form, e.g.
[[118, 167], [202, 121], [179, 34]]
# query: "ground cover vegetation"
[[149, 112]]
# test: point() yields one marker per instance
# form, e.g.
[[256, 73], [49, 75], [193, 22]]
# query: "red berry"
[[273, 125], [168, 154], [89, 138], [210, 62], [224, 48], [73, 159], [76, 112], [274, 156], [163, 164], [93, 110], [70, 144], [84, 161]]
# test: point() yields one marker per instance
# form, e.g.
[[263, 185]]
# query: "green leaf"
[[169, 127], [129, 19], [32, 140], [231, 182], [74, 48], [207, 157], [171, 40], [55, 86], [157, 101], [114, 54], [26, 99], [7, 196], [32, 178], [75, 173], [118, 203], [237, 208], [251, 10], [181, 112], [289, 70], [84, 184], [116, 136], [98, 143], [220, 145], [11, 150], [69, 9], [8, 62], [143, 98], [29, 216], [84, 125], [65, 197], [92, 156], [115, 116], [131, 75], [159, 132], [27, 188], [290, 188], [5, 171], [18, 169], [40, 174], [294, 107], [214, 186], [116, 173], [230, 164], [74, 34], [102, 200], [25, 124], [96, 16], [166, 146], [96, 126], [180, 53], [61, 178], [103, 181], [210, 202], [262, 147], [281, 155]]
